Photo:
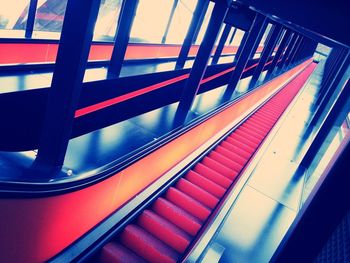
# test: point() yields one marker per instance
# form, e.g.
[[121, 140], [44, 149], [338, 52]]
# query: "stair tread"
[[244, 139], [248, 136], [220, 168], [231, 155], [212, 175], [147, 246], [240, 145], [177, 216], [114, 252], [197, 193], [226, 161], [164, 230], [235, 149], [187, 203]]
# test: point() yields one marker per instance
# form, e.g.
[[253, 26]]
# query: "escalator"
[[166, 230]]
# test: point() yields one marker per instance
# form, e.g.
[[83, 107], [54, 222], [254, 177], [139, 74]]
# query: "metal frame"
[[233, 35], [170, 20], [333, 90], [221, 44], [255, 34], [334, 119], [196, 22], [241, 46], [279, 53], [290, 45], [269, 47], [201, 61], [127, 15], [76, 37], [31, 18]]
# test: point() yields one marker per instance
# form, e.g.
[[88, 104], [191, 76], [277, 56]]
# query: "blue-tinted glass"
[[13, 17], [181, 21], [150, 21]]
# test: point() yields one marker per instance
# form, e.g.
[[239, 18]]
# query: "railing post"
[[67, 80], [241, 46], [287, 52], [172, 12], [121, 42], [221, 44], [31, 18], [200, 64], [330, 96], [196, 22], [335, 118], [279, 53], [266, 54], [232, 36], [255, 34]]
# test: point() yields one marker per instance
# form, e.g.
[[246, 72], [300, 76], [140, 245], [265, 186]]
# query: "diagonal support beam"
[[255, 34], [67, 80]]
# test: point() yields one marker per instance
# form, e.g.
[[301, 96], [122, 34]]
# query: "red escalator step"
[[260, 123], [241, 145], [254, 127], [263, 121], [164, 230], [235, 149], [257, 125], [251, 133], [248, 124], [114, 252], [197, 193], [248, 136], [205, 184], [231, 155], [225, 161], [271, 112], [212, 175], [187, 203], [264, 116], [177, 216], [244, 139], [147, 246], [220, 168]]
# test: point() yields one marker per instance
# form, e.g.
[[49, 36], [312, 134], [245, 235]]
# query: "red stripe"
[[116, 100], [217, 75], [110, 102]]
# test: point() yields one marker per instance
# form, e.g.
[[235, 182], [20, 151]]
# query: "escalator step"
[[179, 217], [252, 133], [241, 145], [235, 149], [114, 252], [248, 136], [197, 193], [206, 184], [225, 161], [212, 175], [257, 125], [252, 129], [262, 121], [231, 155], [146, 245], [245, 140], [220, 168], [187, 203], [165, 231], [260, 116]]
